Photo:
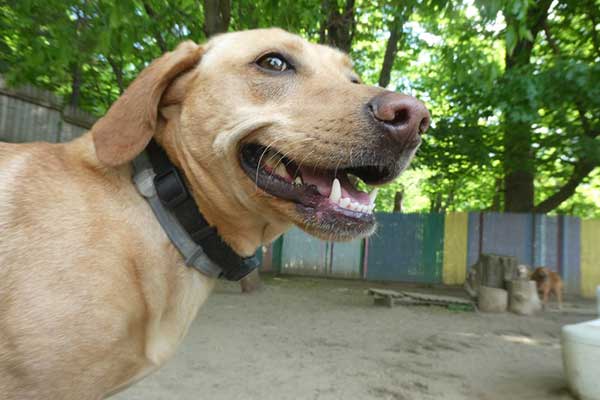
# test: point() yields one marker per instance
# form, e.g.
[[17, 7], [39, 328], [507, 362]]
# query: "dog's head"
[[268, 127], [540, 275]]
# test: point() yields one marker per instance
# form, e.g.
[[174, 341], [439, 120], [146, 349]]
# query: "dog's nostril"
[[371, 108], [401, 117], [424, 125]]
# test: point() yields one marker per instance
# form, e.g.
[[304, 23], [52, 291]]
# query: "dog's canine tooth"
[[298, 181], [336, 191], [373, 195], [281, 170], [269, 161]]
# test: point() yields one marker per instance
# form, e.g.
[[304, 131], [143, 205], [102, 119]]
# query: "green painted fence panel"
[[407, 248], [299, 253], [347, 259], [304, 254]]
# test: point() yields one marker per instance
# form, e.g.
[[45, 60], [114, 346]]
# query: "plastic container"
[[598, 299], [581, 358]]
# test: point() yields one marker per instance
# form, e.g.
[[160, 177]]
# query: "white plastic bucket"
[[581, 357], [598, 299]]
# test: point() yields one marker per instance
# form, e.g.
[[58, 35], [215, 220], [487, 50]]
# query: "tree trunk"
[[436, 203], [497, 193], [398, 201], [217, 14], [519, 163], [339, 26], [391, 50], [519, 166], [75, 85]]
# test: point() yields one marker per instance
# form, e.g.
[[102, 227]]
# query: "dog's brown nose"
[[402, 116]]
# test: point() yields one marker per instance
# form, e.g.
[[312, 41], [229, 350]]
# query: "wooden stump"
[[524, 299], [493, 270], [251, 282], [492, 299]]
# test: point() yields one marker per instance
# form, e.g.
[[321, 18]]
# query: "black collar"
[[173, 194]]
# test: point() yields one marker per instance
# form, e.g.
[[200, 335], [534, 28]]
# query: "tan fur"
[[548, 282], [93, 296]]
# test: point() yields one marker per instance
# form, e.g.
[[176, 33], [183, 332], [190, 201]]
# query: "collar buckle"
[[170, 188]]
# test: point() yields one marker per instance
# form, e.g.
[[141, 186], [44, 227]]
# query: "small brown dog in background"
[[548, 281]]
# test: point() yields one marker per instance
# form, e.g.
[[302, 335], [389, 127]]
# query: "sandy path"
[[302, 338]]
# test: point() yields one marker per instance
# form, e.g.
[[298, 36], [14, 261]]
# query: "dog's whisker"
[[260, 160], [284, 155]]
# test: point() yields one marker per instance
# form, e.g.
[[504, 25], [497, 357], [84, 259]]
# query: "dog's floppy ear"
[[131, 121]]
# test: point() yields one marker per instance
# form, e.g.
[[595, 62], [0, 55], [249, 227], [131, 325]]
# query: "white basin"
[[581, 357]]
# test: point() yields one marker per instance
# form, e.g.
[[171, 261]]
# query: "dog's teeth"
[[298, 181], [281, 170], [344, 202], [373, 195], [269, 161], [336, 191]]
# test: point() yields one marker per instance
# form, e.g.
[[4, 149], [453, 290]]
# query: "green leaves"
[[487, 69]]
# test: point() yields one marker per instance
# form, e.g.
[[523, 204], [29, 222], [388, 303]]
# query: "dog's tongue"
[[323, 179]]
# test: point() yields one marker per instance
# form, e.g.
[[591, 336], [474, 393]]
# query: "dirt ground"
[[303, 338]]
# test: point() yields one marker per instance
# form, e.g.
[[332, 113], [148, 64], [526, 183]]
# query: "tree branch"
[[592, 15], [157, 35], [118, 71], [390, 51], [581, 170], [551, 41]]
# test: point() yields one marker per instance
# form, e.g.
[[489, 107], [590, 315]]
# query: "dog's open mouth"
[[325, 197]]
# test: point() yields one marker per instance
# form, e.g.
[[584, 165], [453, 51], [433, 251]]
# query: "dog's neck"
[[238, 226]]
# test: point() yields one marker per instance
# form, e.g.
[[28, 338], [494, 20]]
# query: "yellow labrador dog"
[[268, 131]]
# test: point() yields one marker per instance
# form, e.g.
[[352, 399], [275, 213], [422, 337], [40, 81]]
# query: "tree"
[[506, 105], [524, 21], [217, 14], [338, 24], [513, 85]]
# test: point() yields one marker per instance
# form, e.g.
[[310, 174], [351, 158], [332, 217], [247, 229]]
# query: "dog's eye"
[[355, 80], [273, 62]]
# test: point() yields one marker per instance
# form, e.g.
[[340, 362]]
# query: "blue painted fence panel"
[[473, 240], [570, 253], [508, 234], [545, 246]]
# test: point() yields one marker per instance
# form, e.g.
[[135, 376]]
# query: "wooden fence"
[[28, 114]]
